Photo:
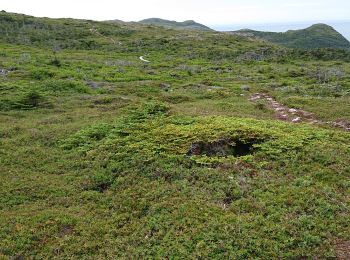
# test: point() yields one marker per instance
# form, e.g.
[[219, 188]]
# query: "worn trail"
[[285, 113], [143, 59]]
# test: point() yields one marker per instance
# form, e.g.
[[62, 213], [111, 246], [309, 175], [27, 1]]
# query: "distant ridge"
[[115, 21], [315, 36], [187, 25]]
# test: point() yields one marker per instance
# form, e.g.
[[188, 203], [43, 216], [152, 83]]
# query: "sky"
[[214, 13]]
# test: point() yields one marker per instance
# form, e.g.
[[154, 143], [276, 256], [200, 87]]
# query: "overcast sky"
[[209, 12]]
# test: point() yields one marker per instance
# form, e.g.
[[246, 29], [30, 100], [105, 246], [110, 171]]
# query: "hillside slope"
[[105, 156], [315, 36], [186, 25]]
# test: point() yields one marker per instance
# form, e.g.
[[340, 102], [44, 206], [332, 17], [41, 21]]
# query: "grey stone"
[[245, 88]]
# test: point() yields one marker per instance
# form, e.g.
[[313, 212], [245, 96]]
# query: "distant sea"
[[341, 26]]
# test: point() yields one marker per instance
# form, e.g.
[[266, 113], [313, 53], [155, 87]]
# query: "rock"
[[296, 120], [279, 109], [255, 97], [3, 72], [164, 86], [293, 111], [342, 124], [245, 88], [306, 114], [282, 117], [93, 84], [211, 88]]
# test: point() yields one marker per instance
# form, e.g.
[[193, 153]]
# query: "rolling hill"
[[220, 147], [187, 25], [316, 36]]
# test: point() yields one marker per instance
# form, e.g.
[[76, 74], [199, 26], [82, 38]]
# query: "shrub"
[[176, 99], [87, 137], [55, 62], [41, 74], [260, 106], [65, 86], [101, 181], [30, 100]]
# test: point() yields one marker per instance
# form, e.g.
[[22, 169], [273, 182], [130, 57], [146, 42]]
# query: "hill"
[[186, 25], [316, 36], [221, 146]]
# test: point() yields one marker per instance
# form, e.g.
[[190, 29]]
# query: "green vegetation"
[[316, 36], [186, 25], [103, 155]]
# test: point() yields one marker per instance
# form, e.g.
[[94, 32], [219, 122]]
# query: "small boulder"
[[214, 88], [3, 72], [245, 88], [279, 109], [282, 117], [296, 120], [93, 84], [164, 86]]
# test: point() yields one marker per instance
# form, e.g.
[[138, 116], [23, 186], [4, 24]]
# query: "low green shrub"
[[29, 100], [70, 86], [41, 74]]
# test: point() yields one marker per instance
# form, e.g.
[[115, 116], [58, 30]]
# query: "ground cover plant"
[[103, 155]]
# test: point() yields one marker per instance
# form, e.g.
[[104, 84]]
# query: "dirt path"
[[141, 58], [95, 31], [293, 115], [343, 250]]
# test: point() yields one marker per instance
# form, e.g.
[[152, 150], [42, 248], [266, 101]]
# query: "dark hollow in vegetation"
[[102, 187], [223, 147]]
